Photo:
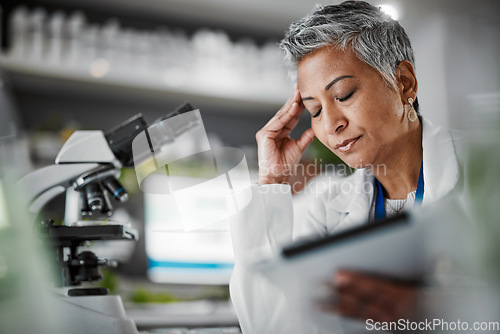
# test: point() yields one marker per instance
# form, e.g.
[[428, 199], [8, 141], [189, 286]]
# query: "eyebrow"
[[327, 87]]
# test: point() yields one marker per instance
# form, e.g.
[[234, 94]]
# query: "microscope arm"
[[83, 153], [45, 184]]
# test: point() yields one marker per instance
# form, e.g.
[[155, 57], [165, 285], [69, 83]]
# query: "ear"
[[406, 81]]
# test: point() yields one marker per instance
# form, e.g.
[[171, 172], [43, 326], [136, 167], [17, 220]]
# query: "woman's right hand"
[[278, 153]]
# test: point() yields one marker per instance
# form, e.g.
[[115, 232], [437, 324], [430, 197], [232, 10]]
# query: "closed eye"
[[317, 113], [342, 99]]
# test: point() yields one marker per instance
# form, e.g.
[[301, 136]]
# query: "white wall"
[[457, 48], [427, 35]]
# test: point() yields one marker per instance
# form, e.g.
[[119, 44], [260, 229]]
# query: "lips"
[[347, 144]]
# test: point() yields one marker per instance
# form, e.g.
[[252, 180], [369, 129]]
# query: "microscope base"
[[95, 315]]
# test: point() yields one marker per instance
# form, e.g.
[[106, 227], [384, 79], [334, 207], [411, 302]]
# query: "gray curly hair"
[[374, 36]]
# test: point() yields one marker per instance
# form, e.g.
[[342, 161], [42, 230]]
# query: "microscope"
[[86, 169]]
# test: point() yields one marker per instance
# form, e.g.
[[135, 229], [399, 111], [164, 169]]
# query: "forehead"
[[329, 61]]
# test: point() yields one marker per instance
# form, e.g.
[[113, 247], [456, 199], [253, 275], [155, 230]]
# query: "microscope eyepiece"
[[120, 138]]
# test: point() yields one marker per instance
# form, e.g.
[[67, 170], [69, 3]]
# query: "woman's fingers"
[[293, 121], [275, 147], [285, 109], [295, 112], [278, 123], [349, 306], [295, 98], [305, 140], [377, 298]]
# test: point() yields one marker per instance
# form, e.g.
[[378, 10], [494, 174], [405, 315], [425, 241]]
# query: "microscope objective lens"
[[115, 189], [95, 198]]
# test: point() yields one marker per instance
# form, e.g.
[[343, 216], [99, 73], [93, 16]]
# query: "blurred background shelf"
[[45, 79]]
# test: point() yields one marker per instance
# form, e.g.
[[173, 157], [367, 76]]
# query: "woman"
[[356, 77]]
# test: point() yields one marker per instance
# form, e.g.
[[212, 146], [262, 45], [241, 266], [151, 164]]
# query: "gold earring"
[[412, 114]]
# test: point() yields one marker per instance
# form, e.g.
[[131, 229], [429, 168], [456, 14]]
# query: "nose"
[[334, 121]]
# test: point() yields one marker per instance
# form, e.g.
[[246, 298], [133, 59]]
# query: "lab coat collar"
[[353, 201], [441, 174]]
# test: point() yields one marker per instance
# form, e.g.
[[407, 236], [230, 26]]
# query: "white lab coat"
[[267, 224]]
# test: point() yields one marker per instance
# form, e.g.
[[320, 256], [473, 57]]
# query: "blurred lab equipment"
[[86, 170]]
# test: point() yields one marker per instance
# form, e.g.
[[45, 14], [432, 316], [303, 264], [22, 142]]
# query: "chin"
[[357, 162]]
